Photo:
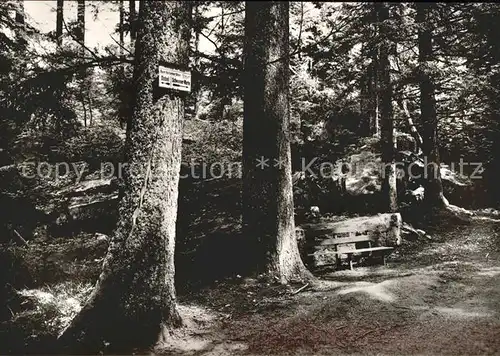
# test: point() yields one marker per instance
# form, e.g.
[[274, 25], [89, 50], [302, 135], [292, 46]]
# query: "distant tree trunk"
[[122, 36], [364, 107], [376, 98], [373, 77], [124, 94], [222, 84], [80, 36], [120, 30], [387, 132], [364, 100], [59, 22], [197, 61], [89, 97], [134, 302], [433, 195], [132, 20], [80, 29], [372, 98], [413, 129], [20, 12], [268, 217]]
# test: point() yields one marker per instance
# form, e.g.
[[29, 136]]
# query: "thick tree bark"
[[387, 132], [59, 21], [268, 215], [433, 186], [134, 300]]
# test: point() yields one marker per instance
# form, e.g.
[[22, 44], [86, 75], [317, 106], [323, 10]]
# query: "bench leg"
[[385, 261], [350, 261]]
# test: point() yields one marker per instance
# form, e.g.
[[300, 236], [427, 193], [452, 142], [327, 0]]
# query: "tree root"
[[464, 214]]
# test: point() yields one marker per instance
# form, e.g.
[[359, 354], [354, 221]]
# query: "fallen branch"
[[301, 289], [466, 215], [18, 235], [420, 233]]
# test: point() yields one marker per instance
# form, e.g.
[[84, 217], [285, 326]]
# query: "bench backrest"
[[348, 237]]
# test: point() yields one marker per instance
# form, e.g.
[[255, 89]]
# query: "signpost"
[[174, 79]]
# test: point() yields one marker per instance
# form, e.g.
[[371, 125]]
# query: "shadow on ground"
[[443, 300]]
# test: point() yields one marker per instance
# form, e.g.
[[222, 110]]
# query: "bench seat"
[[360, 250]]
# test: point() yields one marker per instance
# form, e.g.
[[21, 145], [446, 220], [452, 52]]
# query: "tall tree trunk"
[[364, 104], [433, 186], [132, 20], [122, 36], [387, 132], [365, 100], [268, 218], [124, 93], [120, 30], [80, 29], [373, 77], [89, 97], [222, 85], [376, 98], [59, 22], [197, 61], [80, 36], [134, 302], [372, 98]]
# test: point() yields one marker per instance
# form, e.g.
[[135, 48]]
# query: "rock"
[[413, 233], [314, 210], [418, 194], [101, 237], [300, 233]]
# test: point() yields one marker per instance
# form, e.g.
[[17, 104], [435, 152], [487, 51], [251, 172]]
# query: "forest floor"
[[441, 297]]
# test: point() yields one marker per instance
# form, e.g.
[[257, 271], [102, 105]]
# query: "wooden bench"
[[346, 245]]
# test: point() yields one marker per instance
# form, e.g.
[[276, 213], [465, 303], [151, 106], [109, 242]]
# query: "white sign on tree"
[[176, 79]]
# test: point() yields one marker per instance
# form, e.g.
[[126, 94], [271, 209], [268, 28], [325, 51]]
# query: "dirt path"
[[443, 299]]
